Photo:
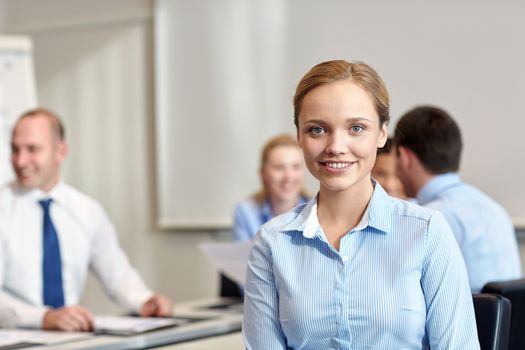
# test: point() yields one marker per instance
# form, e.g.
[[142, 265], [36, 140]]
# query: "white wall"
[[93, 63], [227, 71]]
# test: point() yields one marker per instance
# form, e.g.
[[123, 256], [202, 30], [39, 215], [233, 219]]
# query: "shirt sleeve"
[[17, 313], [261, 328], [14, 312], [451, 322], [241, 227], [112, 267]]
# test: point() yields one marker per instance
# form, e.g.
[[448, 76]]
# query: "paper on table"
[[27, 336], [125, 325], [230, 258]]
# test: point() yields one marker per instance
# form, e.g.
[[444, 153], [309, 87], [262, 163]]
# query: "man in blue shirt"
[[429, 145]]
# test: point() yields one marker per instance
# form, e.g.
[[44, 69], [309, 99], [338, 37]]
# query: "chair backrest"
[[492, 320], [514, 291], [229, 288]]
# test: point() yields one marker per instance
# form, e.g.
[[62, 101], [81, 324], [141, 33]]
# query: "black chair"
[[492, 320], [514, 291], [229, 288]]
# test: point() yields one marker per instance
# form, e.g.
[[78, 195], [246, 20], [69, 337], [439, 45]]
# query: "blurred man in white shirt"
[[86, 238]]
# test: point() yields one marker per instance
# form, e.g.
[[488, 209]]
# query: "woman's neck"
[[339, 212]]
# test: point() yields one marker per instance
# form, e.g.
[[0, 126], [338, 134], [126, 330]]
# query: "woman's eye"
[[316, 130], [356, 128]]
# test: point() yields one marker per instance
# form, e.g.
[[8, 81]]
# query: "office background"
[[94, 64], [226, 72]]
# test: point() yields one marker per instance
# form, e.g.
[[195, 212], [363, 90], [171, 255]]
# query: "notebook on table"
[[21, 338], [130, 325]]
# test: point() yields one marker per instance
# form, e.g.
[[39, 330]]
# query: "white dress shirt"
[[87, 239]]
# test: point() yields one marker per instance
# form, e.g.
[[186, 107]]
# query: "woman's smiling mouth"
[[331, 165]]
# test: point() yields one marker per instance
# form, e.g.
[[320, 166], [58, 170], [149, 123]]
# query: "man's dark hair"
[[434, 137]]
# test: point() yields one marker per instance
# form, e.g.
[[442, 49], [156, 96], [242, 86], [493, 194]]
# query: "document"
[[17, 338], [129, 325], [230, 258]]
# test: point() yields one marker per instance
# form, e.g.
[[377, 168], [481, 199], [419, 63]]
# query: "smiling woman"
[[343, 270], [340, 131], [282, 177]]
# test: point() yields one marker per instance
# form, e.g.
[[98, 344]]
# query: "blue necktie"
[[52, 266]]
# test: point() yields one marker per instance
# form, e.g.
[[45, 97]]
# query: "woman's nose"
[[337, 144]]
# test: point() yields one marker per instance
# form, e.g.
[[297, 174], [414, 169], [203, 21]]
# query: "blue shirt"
[[249, 215], [483, 229], [398, 282]]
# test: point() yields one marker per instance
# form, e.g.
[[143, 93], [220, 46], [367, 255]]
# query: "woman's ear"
[[383, 136]]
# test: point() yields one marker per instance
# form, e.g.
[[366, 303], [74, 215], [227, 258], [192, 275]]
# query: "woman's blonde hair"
[[357, 72]]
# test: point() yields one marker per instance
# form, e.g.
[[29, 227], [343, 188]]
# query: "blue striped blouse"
[[398, 282]]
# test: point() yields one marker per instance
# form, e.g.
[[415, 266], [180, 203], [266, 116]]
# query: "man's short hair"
[[56, 124], [432, 134]]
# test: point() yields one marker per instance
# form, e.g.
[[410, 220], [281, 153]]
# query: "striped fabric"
[[249, 215], [398, 282]]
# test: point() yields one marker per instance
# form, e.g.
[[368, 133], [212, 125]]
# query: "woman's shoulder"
[[288, 221], [390, 208], [410, 216], [409, 210], [409, 207]]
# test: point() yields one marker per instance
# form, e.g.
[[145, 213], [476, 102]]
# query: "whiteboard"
[[17, 92], [226, 73]]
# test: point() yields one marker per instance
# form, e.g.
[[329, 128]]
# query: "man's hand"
[[157, 306], [69, 318]]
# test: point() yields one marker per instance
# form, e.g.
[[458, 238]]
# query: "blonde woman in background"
[[282, 175]]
